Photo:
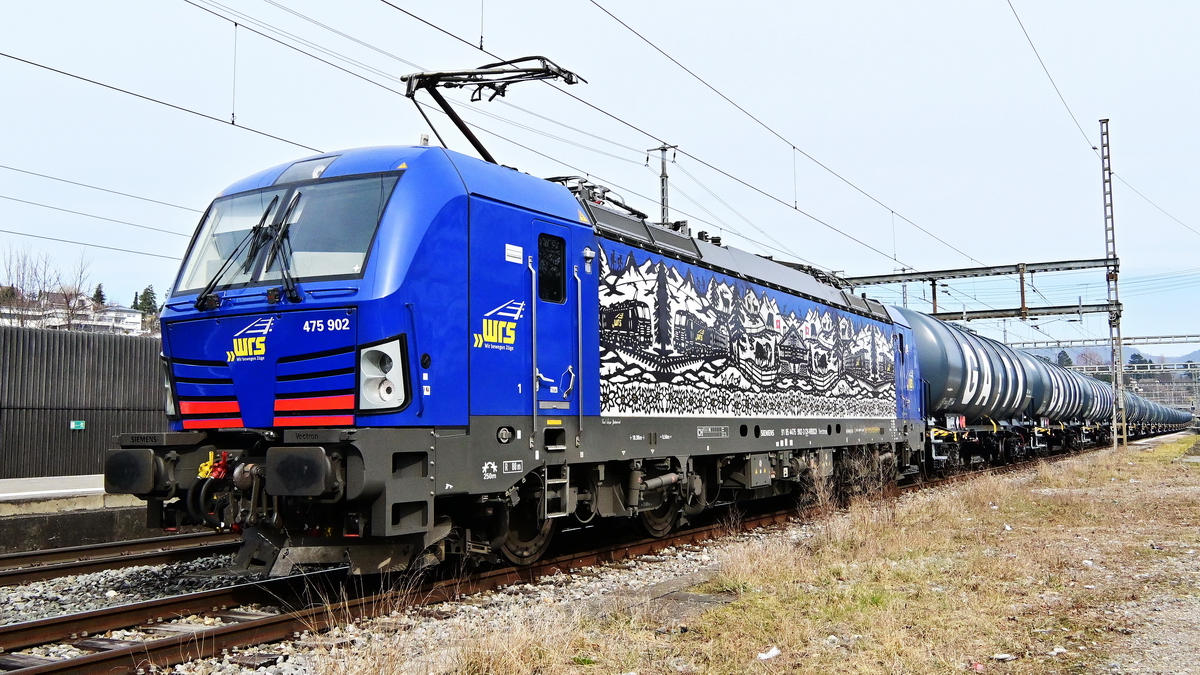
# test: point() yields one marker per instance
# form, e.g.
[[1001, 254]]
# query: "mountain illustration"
[[681, 340]]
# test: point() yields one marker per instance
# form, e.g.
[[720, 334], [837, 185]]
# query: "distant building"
[[60, 311]]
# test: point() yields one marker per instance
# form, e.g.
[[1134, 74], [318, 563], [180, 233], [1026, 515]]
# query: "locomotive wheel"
[[528, 534], [659, 522]]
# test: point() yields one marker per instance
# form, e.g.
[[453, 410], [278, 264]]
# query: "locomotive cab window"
[[552, 268], [319, 229]]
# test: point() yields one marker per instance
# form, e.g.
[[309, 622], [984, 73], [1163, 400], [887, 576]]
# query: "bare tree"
[[72, 288], [1090, 357], [28, 281]]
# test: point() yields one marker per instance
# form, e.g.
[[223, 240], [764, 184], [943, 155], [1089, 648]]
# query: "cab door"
[[905, 386], [910, 390], [556, 329]]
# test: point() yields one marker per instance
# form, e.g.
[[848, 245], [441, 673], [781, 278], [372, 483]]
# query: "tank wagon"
[[391, 355], [989, 402]]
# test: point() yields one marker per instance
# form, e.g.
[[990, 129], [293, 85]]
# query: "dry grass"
[[945, 579], [929, 584]]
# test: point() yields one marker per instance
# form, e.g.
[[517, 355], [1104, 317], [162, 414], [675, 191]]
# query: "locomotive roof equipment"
[[494, 77]]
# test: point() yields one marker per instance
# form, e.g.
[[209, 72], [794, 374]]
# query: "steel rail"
[[26, 566], [211, 642], [280, 591]]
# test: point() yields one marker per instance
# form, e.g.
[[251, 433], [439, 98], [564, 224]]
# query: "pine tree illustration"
[[662, 309]]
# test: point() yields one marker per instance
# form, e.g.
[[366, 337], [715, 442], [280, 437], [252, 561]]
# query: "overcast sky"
[[935, 112]]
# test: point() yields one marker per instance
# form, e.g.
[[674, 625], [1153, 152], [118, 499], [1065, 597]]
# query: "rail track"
[[301, 603], [18, 568]]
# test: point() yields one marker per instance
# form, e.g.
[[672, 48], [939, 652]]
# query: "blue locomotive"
[[391, 355]]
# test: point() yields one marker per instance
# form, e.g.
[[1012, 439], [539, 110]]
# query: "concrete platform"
[[52, 486], [57, 511], [27, 496]]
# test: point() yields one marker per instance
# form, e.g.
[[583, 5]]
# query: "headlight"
[[383, 389], [381, 384]]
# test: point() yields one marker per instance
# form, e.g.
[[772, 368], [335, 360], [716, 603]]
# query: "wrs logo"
[[254, 347], [499, 333]]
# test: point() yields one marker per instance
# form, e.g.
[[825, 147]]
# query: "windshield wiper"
[[285, 267], [282, 236], [207, 300], [261, 236]]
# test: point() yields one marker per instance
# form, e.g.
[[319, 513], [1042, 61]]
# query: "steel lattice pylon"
[[1114, 301]]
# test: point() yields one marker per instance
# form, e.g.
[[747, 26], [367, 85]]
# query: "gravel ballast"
[[86, 592]]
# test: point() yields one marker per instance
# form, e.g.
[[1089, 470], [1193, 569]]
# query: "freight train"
[[388, 356]]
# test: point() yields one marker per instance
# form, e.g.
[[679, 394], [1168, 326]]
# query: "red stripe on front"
[[318, 421], [208, 407], [221, 423], [345, 402]]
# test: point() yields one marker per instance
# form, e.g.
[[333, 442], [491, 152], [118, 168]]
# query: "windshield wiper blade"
[[280, 231], [261, 238], [285, 267], [207, 300], [283, 236]]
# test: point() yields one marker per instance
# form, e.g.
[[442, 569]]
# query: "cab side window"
[[552, 268]]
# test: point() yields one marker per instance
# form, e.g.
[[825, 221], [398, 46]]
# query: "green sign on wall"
[[78, 425]]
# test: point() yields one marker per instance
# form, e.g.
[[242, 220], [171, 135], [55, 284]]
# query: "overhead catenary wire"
[[568, 141], [92, 215], [1068, 294], [475, 110], [656, 138], [498, 118], [347, 36], [157, 101], [1151, 203], [473, 46], [793, 147], [390, 55], [96, 187], [609, 183], [635, 193], [423, 107], [779, 248], [1075, 119], [247, 21], [333, 54], [737, 213], [83, 243], [337, 55], [1050, 77], [194, 112], [345, 70], [780, 136], [1143, 283]]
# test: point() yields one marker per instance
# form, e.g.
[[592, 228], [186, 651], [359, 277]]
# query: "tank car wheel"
[[660, 521], [529, 534]]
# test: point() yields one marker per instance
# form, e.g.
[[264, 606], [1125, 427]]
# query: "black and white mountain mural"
[[680, 340]]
